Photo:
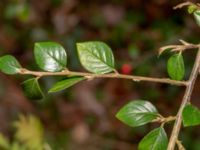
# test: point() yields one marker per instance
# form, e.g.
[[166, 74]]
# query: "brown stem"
[[164, 120], [186, 99], [110, 75]]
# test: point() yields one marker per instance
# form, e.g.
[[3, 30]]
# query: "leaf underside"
[[66, 83], [32, 89]]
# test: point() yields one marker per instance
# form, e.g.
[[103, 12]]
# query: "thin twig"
[[186, 99], [91, 76]]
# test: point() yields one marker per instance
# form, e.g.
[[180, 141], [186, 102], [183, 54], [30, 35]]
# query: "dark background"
[[83, 117]]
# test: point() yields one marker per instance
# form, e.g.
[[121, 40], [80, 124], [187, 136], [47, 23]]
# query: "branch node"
[[89, 78]]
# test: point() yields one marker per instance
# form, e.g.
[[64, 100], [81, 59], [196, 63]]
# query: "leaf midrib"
[[60, 63]]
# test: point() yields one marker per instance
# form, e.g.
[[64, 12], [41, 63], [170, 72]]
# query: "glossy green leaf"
[[96, 57], [50, 56], [155, 140], [191, 116], [175, 67], [137, 113], [197, 16], [9, 64], [65, 83], [32, 89]]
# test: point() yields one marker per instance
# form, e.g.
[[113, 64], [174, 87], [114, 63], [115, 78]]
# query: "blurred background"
[[83, 117]]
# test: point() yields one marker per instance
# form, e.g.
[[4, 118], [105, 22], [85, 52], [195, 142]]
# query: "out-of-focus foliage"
[[29, 135], [30, 132]]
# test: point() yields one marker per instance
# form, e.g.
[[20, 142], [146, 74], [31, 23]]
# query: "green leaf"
[[32, 89], [4, 143], [197, 16], [175, 67], [96, 57], [65, 84], [192, 8], [155, 140], [191, 115], [50, 56], [9, 64], [137, 113]]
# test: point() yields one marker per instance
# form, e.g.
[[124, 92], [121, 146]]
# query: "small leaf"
[[155, 140], [9, 65], [175, 67], [32, 89], [192, 8], [191, 115], [50, 56], [96, 57], [197, 16], [65, 84], [137, 113]]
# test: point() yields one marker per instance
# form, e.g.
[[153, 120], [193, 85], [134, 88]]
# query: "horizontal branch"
[[91, 76]]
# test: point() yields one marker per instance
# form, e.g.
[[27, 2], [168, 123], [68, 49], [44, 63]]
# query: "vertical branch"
[[186, 99]]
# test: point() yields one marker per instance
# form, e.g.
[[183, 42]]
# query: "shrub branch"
[[189, 84], [91, 76]]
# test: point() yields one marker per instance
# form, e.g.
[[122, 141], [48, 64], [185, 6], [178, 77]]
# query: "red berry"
[[126, 69]]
